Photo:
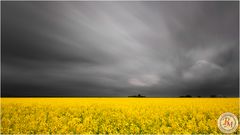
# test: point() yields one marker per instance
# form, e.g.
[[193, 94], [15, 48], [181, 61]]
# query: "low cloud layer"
[[120, 48]]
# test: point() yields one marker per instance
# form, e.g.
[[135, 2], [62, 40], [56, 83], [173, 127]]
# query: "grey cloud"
[[119, 48], [203, 70]]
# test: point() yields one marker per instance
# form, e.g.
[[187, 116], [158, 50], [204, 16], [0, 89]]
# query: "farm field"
[[114, 115]]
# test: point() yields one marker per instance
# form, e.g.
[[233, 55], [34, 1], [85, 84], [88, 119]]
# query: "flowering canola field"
[[114, 115]]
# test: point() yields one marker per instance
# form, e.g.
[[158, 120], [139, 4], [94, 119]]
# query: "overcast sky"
[[119, 48]]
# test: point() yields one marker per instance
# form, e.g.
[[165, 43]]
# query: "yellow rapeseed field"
[[114, 115]]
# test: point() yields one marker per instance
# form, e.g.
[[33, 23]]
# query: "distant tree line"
[[139, 96], [212, 96]]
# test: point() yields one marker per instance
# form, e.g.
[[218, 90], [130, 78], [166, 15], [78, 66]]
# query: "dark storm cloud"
[[119, 48]]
